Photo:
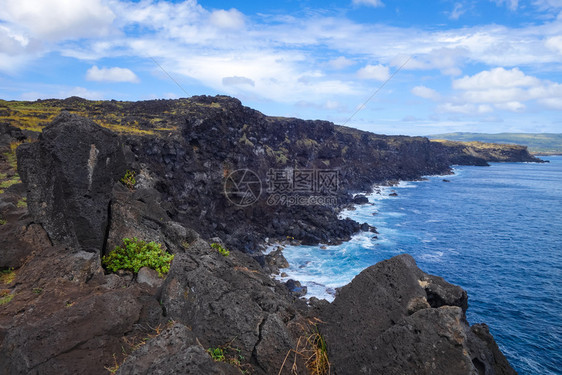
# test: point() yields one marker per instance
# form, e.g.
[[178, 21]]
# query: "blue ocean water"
[[496, 231]]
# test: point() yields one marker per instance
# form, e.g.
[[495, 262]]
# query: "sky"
[[394, 67]]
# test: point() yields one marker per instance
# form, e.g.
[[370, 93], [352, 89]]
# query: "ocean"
[[495, 231]]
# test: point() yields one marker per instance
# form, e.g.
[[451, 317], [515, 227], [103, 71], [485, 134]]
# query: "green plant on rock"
[[134, 254], [22, 203], [6, 297], [231, 355], [217, 354], [3, 221], [220, 249], [129, 179], [7, 276]]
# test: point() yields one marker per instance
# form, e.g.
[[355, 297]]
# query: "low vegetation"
[[134, 343], [218, 247], [231, 355], [7, 276], [134, 254], [6, 296], [312, 349], [129, 179]]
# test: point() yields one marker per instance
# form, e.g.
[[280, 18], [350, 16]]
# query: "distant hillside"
[[543, 143]]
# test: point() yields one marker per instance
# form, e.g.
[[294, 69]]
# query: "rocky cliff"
[[213, 313]]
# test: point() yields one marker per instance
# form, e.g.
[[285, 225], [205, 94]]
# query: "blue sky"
[[485, 66]]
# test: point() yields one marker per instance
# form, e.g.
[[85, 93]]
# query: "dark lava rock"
[[445, 180], [174, 351], [296, 288], [275, 260], [395, 319], [228, 300], [360, 199], [70, 173], [393, 194]]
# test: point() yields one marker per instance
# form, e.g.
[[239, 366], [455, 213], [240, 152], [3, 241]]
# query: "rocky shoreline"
[[62, 312]]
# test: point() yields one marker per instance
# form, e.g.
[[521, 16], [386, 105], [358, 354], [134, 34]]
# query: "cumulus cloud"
[[376, 72], [227, 19], [58, 19], [425, 92], [507, 90], [371, 3], [495, 78], [114, 74]]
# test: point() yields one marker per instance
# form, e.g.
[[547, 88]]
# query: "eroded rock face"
[[395, 319], [70, 173]]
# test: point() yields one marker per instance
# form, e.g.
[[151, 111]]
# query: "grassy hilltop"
[[538, 143]]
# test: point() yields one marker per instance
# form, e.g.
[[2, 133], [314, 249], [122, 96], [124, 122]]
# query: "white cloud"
[[376, 72], [425, 92], [548, 4], [238, 81], [227, 19], [552, 103], [114, 74], [554, 43], [495, 78], [58, 19], [372, 3], [465, 108], [511, 4], [457, 11], [507, 90], [513, 106], [340, 63]]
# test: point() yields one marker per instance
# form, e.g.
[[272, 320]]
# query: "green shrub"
[[129, 179], [217, 354], [220, 249], [135, 254]]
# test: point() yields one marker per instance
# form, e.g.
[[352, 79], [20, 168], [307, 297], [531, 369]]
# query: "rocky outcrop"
[[70, 173], [395, 319], [176, 351], [229, 300], [480, 154]]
